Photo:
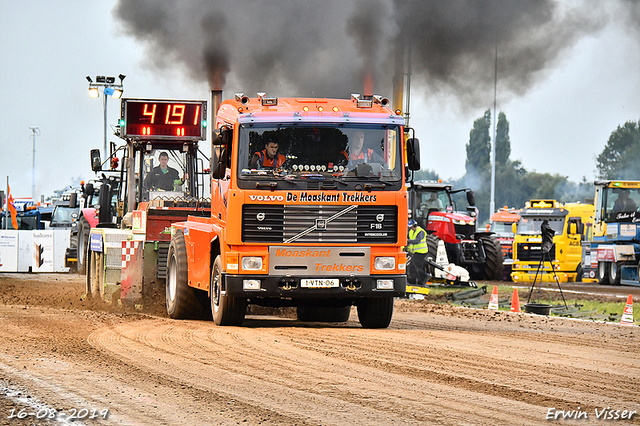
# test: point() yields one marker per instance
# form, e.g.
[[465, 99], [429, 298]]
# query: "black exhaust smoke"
[[331, 48]]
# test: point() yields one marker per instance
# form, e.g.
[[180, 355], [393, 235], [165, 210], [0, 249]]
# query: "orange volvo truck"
[[308, 210]]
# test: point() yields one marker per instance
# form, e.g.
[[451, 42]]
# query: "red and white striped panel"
[[128, 251]]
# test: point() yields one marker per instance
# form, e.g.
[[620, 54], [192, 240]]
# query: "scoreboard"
[[154, 119]]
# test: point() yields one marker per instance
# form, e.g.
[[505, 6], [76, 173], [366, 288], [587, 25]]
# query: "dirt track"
[[434, 365]]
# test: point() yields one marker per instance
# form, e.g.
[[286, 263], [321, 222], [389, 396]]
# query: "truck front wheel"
[[180, 298], [375, 312], [225, 310]]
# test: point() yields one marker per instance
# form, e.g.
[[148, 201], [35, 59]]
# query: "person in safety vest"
[[269, 157], [417, 246], [357, 153]]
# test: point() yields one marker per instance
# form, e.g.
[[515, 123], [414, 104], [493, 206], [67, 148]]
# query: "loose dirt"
[[435, 364]]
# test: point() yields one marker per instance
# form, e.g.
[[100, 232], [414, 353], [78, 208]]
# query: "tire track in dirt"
[[342, 388], [494, 375]]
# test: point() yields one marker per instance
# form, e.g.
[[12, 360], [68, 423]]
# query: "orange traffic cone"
[[493, 301], [627, 315], [515, 301]]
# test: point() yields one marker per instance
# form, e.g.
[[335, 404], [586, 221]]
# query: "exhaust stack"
[[216, 100]]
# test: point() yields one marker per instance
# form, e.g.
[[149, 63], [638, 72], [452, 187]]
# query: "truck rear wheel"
[[614, 273], [375, 312], [603, 273], [324, 313], [494, 259], [224, 309], [181, 299]]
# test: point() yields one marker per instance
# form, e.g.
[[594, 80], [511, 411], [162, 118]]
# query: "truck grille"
[[531, 252], [279, 224]]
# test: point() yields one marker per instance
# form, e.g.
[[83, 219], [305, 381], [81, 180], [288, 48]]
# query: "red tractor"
[[432, 206]]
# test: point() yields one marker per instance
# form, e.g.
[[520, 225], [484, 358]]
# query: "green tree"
[[619, 159], [479, 146], [503, 143]]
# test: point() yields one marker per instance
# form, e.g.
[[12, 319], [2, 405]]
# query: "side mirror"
[[573, 228], [73, 200], [413, 153], [88, 189], [221, 153], [471, 198], [514, 227], [218, 163], [96, 162]]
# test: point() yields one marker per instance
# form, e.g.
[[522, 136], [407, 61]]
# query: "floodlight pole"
[[36, 131], [104, 106], [109, 87], [492, 204]]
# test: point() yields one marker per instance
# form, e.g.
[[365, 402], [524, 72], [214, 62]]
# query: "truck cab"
[[569, 222], [611, 249], [309, 209]]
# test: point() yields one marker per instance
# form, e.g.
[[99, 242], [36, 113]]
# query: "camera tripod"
[[545, 256]]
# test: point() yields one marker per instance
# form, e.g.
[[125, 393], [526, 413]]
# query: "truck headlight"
[[252, 263], [385, 263]]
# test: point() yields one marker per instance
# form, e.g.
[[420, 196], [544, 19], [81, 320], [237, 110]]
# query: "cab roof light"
[[240, 97], [267, 100], [382, 101], [365, 102]]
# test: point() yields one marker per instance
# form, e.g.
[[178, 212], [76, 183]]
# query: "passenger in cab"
[[357, 153]]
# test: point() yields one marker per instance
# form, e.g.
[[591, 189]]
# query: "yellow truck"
[[564, 260]]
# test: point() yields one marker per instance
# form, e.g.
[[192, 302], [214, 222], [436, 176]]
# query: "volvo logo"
[[380, 217], [260, 216]]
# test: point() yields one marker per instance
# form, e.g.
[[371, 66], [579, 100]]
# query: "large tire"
[[89, 276], [324, 313], [224, 309], [83, 245], [494, 259], [614, 273], [432, 252], [579, 274], [181, 299], [375, 312], [603, 273]]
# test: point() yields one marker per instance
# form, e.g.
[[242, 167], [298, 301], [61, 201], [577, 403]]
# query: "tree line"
[[515, 185]]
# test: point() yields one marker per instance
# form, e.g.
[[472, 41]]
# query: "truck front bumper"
[[529, 276], [291, 287]]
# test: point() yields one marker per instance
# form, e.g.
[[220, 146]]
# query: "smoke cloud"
[[337, 47]]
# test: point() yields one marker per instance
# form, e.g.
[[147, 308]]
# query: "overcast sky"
[[48, 47]]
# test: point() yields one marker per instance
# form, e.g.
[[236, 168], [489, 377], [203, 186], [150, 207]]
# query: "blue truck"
[[611, 250]]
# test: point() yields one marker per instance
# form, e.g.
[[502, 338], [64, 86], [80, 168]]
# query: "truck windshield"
[[63, 215], [308, 151], [620, 205], [531, 225], [502, 229]]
